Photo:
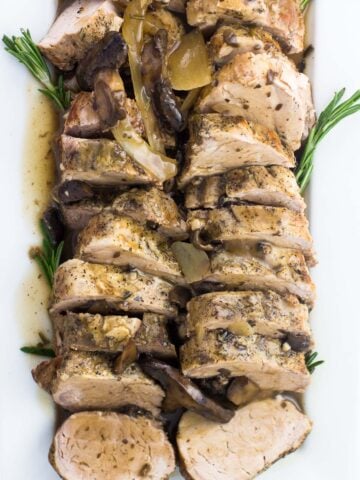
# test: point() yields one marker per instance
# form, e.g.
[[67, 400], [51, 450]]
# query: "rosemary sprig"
[[48, 257], [26, 51], [330, 117], [41, 351], [311, 364], [304, 4]]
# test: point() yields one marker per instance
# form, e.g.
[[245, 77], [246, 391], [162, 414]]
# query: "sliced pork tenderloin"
[[80, 26], [259, 434], [120, 240], [240, 224], [98, 162], [118, 446], [251, 312], [87, 381], [263, 360], [264, 88], [153, 337], [282, 18], [220, 143], [230, 40], [81, 285], [274, 186], [262, 267]]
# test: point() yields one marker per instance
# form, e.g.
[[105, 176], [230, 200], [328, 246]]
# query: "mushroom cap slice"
[[111, 446], [182, 392], [257, 436]]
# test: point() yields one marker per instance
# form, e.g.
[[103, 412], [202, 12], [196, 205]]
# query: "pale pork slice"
[[254, 223], [263, 360], [256, 437], [80, 26], [98, 162], [274, 186], [282, 18], [82, 285], [89, 381], [264, 88], [262, 267], [120, 240], [220, 143], [111, 446], [251, 312]]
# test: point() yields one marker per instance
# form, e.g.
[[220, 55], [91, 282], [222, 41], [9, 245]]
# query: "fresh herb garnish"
[[41, 351], [311, 362], [48, 257], [330, 117], [26, 51], [304, 4]]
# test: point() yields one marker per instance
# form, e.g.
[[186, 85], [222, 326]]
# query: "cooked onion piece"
[[188, 65], [194, 263]]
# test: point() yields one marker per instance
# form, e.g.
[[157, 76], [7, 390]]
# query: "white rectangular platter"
[[333, 401]]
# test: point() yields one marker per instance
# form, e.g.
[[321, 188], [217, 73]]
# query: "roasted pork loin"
[[258, 435]]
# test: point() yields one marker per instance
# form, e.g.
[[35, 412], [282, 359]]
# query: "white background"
[[333, 401]]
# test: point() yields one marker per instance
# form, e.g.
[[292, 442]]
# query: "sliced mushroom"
[[109, 53], [182, 392]]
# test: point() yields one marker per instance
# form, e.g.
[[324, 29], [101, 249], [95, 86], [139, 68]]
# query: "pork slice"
[[78, 285], [251, 312], [83, 118], [263, 360], [108, 446], [153, 338], [282, 18], [93, 332], [77, 215], [220, 143], [255, 223], [152, 206], [257, 436], [230, 40], [98, 162], [262, 267], [80, 26], [120, 240], [273, 186], [264, 88], [86, 381]]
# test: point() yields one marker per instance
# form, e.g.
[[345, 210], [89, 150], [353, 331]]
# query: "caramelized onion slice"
[[189, 65], [194, 263], [133, 34], [162, 168]]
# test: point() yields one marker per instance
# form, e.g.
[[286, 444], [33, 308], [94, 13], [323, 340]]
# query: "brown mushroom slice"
[[109, 53], [120, 240], [274, 186], [236, 141], [230, 40], [118, 446], [242, 391], [87, 381], [93, 332], [98, 162], [262, 266], [78, 284], [261, 359], [251, 312], [182, 392], [259, 434], [241, 224], [80, 26]]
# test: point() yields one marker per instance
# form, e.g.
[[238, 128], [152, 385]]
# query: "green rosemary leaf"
[[41, 351], [304, 4], [26, 51], [49, 256], [328, 119], [311, 364]]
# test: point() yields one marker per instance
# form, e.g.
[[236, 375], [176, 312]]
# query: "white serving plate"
[[333, 401]]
